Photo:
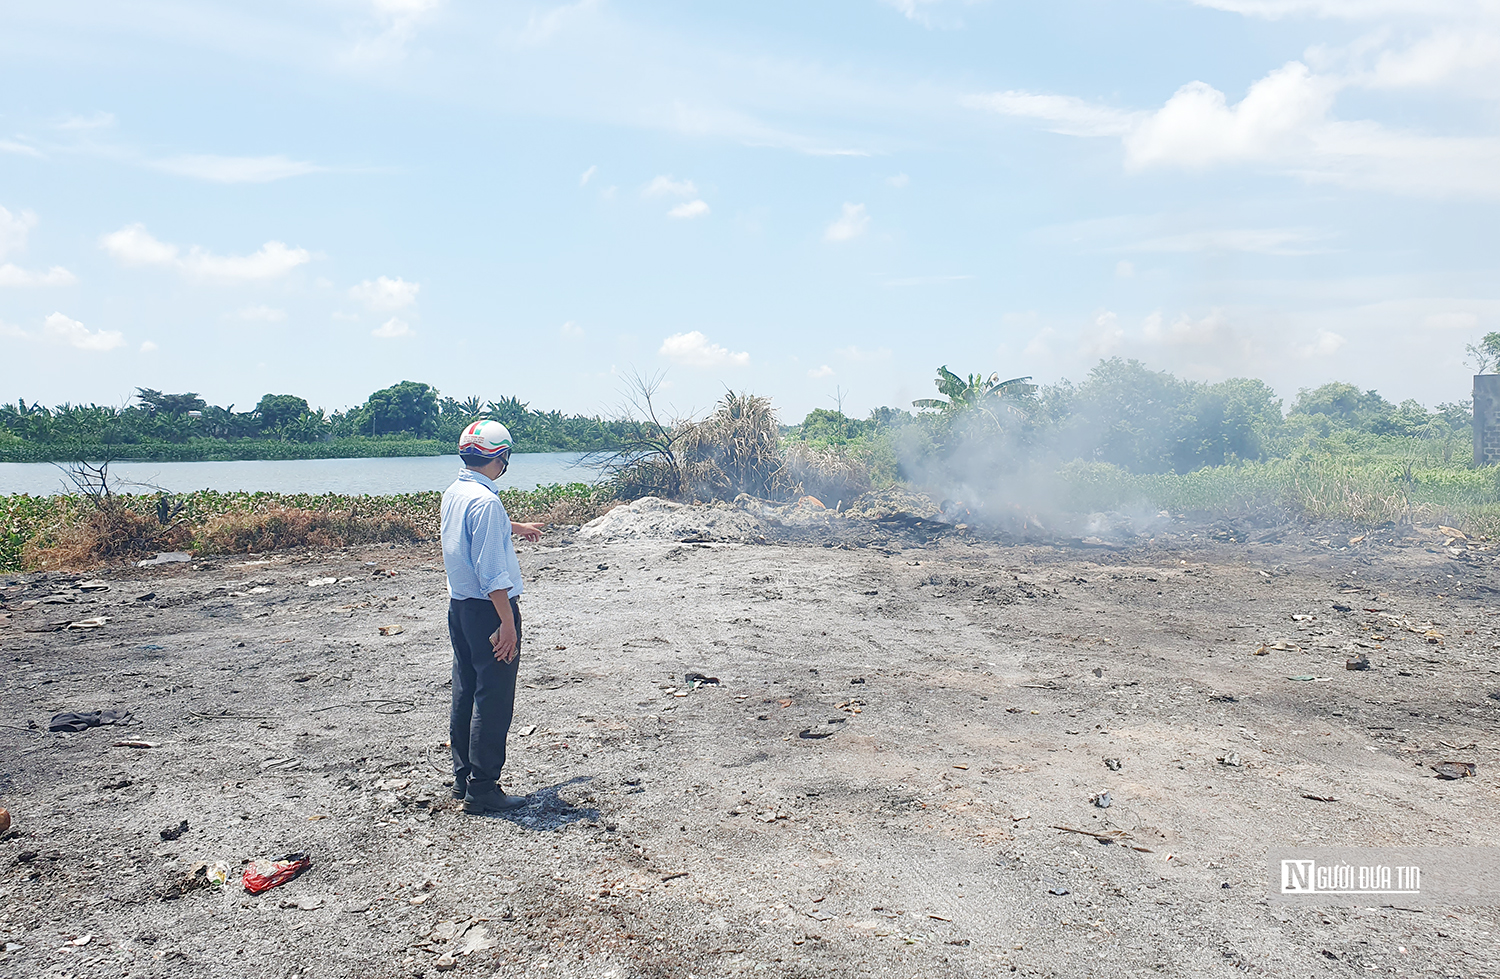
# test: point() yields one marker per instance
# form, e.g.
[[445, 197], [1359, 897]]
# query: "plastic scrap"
[[165, 557], [391, 630], [262, 875], [75, 721]]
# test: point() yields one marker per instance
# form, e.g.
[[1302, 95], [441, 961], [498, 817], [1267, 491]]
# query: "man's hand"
[[503, 641], [530, 531]]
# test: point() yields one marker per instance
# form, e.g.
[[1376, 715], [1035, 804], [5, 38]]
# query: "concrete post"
[[1486, 419]]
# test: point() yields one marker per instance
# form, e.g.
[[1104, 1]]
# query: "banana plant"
[[986, 394]]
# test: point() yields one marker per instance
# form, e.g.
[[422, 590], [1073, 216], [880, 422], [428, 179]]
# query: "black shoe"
[[458, 793], [487, 803]]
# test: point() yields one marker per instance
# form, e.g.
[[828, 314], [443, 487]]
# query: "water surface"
[[375, 477]]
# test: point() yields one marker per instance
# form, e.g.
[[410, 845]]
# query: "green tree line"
[[1141, 420], [409, 418]]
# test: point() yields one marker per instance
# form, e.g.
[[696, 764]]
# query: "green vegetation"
[[38, 532], [406, 419]]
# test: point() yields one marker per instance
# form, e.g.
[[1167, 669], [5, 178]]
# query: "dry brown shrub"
[[105, 535], [735, 450], [830, 474], [280, 528]]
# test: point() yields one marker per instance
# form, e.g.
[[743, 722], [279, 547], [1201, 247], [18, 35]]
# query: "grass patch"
[[43, 532]]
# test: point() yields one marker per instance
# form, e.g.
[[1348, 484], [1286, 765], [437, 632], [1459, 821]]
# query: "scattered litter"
[[1113, 764], [680, 873], [1452, 532], [320, 582], [391, 630], [134, 744], [1456, 769], [81, 941], [306, 902], [1320, 798], [477, 939], [445, 963], [1231, 760], [146, 597], [75, 721], [165, 557], [173, 832], [528, 730], [1108, 836], [850, 706], [1280, 647], [201, 876], [697, 680], [1359, 662], [1058, 891], [95, 585], [1303, 617], [1102, 799], [1304, 677], [97, 622], [262, 875]]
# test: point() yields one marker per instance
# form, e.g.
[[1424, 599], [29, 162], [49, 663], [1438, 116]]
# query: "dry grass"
[[109, 534], [278, 528], [830, 474], [735, 450]]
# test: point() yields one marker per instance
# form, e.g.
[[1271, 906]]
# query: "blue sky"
[[328, 196]]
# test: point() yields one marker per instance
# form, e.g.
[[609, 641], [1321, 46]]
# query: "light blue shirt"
[[478, 553]]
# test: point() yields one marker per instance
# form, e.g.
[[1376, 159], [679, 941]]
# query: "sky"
[[819, 202]]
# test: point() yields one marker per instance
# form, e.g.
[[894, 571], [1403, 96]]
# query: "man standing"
[[484, 617]]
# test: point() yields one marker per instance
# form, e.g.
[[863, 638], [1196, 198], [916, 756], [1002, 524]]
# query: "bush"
[[113, 532]]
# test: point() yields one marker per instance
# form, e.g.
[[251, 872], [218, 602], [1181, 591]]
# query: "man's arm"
[[530, 531]]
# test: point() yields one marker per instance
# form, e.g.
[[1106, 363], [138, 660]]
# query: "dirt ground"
[[904, 713]]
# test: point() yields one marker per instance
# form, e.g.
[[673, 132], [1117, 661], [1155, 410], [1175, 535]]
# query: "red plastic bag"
[[262, 875]]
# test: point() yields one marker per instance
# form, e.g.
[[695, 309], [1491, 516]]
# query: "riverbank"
[[60, 531], [222, 450]]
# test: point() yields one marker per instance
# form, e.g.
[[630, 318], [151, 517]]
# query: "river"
[[375, 477]]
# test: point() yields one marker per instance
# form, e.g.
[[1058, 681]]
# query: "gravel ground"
[[903, 714]]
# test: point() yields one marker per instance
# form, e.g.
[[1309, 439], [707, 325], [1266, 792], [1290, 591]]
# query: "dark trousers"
[[484, 693]]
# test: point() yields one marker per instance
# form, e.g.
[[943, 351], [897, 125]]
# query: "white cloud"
[[851, 224], [694, 350], [587, 174], [540, 28], [690, 209], [1284, 123], [1124, 269], [399, 20], [14, 229], [11, 275], [263, 314], [64, 330], [384, 293], [99, 120], [857, 354], [1063, 113], [392, 328], [20, 149], [669, 185], [134, 245], [824, 371], [1197, 128], [13, 332], [898, 181], [570, 329], [234, 169], [1264, 241], [1325, 343], [148, 347]]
